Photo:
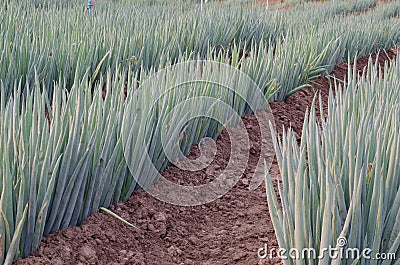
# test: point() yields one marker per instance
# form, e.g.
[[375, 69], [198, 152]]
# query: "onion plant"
[[56, 160], [342, 180]]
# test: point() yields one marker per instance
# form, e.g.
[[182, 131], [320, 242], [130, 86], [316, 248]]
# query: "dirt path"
[[229, 230]]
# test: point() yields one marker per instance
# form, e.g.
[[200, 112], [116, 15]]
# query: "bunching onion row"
[[340, 186], [63, 158]]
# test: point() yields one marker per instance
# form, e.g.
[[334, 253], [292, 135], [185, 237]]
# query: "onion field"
[[84, 124]]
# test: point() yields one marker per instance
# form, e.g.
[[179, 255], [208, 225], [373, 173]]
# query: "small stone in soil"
[[88, 252]]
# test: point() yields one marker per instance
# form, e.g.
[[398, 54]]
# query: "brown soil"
[[229, 230]]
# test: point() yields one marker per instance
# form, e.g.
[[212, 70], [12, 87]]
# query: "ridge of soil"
[[229, 230]]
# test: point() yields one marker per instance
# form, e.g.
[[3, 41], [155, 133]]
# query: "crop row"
[[340, 186]]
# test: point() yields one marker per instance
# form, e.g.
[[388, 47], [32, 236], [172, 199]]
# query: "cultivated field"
[[121, 138]]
